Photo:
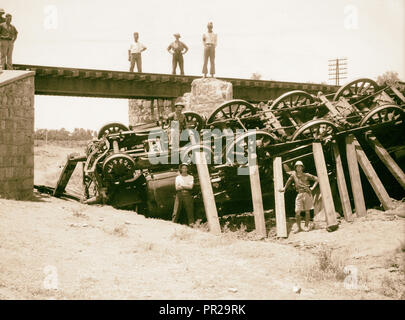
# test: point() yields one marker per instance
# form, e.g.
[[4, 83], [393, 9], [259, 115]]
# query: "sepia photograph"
[[202, 155]]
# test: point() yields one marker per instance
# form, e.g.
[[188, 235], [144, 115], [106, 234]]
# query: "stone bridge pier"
[[16, 134]]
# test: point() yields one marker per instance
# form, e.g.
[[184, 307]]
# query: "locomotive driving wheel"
[[292, 111], [194, 120], [118, 168], [357, 90], [109, 128], [231, 114], [384, 114], [318, 130]]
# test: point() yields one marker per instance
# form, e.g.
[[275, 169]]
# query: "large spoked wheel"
[[357, 90], [118, 168], [232, 114], [318, 130], [251, 142], [194, 120], [110, 128], [384, 114], [189, 157], [292, 111]]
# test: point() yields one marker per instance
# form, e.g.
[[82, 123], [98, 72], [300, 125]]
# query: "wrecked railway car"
[[120, 167]]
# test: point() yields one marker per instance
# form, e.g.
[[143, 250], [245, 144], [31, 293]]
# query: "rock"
[[206, 95], [296, 289], [233, 290], [85, 225], [127, 222]]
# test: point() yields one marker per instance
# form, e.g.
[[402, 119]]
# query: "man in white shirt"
[[135, 53], [210, 43], [184, 198]]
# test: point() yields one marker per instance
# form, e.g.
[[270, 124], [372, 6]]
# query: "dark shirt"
[[181, 118], [177, 47], [8, 32]]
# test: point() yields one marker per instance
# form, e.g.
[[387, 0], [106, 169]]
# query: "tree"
[[388, 78], [256, 76]]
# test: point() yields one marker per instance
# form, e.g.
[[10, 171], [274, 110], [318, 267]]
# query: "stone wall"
[[16, 134]]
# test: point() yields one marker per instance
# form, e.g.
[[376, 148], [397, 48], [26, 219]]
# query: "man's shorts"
[[304, 202]]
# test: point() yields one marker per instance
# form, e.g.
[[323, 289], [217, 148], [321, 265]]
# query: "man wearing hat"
[[178, 122], [2, 19], [8, 35], [177, 49], [184, 197], [303, 201], [210, 43]]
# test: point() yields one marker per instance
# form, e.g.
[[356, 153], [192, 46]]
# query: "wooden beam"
[[386, 158], [355, 180], [372, 177], [341, 182], [398, 93], [327, 199], [206, 190], [281, 224], [257, 200]]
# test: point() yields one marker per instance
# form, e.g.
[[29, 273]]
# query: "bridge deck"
[[119, 84]]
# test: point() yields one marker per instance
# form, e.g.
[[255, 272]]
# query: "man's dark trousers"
[[185, 200]]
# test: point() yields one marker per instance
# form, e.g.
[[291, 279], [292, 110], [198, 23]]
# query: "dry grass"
[[120, 231], [328, 266]]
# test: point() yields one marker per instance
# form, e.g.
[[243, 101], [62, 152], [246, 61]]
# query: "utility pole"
[[337, 69]]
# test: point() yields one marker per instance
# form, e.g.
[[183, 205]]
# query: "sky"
[[289, 40]]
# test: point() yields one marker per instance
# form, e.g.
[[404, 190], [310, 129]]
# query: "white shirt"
[[136, 47], [210, 38], [184, 181]]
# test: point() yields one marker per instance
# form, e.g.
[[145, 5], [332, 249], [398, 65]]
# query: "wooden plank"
[[206, 190], [398, 93], [386, 158], [281, 224], [257, 200], [355, 180], [324, 185], [65, 175], [372, 177], [341, 182]]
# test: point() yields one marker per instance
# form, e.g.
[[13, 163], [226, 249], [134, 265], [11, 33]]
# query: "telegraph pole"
[[337, 69]]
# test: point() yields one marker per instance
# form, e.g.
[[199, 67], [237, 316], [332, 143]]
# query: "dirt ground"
[[58, 249]]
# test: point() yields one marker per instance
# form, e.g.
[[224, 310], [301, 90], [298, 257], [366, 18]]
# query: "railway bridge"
[[129, 85]]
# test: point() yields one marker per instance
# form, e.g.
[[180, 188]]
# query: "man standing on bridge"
[[210, 43], [8, 35], [176, 49], [135, 53]]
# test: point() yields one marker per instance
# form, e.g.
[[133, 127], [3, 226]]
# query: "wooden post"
[[324, 185], [341, 182], [281, 223], [385, 157], [398, 93], [372, 177], [206, 189], [355, 180], [258, 210]]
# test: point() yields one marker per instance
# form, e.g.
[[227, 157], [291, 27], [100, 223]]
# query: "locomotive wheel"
[[194, 120], [118, 168], [294, 103], [231, 110], [356, 90], [242, 144], [109, 128], [386, 113], [188, 156], [322, 130]]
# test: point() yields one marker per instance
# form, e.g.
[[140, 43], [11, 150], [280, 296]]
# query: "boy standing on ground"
[[304, 201]]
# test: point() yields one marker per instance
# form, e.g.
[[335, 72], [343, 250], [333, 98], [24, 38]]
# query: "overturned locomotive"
[[120, 167]]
